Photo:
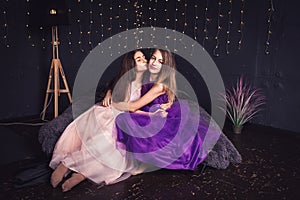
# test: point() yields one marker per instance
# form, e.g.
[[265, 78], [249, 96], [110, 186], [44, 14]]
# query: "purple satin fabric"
[[172, 142]]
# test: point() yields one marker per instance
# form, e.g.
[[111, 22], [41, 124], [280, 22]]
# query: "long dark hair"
[[126, 75]]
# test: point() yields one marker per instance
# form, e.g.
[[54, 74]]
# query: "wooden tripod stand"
[[56, 70]]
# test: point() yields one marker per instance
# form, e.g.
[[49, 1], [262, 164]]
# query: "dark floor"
[[270, 170]]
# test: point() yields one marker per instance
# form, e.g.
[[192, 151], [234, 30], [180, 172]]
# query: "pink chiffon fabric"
[[88, 146]]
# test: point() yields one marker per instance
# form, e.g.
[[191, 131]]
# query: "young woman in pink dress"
[[87, 148]]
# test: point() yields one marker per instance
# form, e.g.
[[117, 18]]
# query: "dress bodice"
[[135, 92]]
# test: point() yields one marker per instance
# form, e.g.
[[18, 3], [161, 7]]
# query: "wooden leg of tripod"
[[48, 89], [65, 82], [55, 71], [56, 86]]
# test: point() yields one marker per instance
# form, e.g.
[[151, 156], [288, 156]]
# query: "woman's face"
[[156, 62], [140, 61]]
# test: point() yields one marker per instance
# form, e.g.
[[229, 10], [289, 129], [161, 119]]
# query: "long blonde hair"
[[167, 73]]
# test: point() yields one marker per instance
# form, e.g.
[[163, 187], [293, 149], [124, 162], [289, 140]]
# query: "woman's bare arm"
[[152, 94]]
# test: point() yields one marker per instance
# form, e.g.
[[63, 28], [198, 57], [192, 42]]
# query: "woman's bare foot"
[[75, 179], [58, 174]]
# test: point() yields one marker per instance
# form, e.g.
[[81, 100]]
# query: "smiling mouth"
[[152, 67]]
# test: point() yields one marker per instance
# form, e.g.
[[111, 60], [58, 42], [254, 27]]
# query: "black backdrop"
[[25, 63]]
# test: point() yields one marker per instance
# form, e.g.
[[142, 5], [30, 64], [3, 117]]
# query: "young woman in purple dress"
[[173, 133]]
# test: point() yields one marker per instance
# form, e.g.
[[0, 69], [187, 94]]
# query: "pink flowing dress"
[[88, 146]]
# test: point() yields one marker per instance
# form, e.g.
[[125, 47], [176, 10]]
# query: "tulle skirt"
[[88, 146]]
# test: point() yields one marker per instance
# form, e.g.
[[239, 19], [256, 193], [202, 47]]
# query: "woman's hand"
[[106, 102], [160, 112], [166, 106]]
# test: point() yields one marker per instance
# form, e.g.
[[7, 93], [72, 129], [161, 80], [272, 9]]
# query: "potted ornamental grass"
[[243, 102]]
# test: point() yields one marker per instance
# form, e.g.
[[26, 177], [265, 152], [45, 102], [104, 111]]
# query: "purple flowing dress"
[[181, 140]]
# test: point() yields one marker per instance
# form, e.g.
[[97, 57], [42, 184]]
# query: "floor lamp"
[[56, 71]]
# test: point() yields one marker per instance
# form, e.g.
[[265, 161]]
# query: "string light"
[[141, 24], [166, 24], [91, 24], [101, 25], [29, 37], [229, 27], [119, 26], [127, 15], [155, 13], [155, 21], [135, 7], [119, 18], [181, 14], [218, 30], [69, 32], [110, 18], [5, 25], [270, 10], [43, 41], [150, 18], [206, 21], [175, 25], [195, 27], [137, 22], [241, 24], [141, 15], [79, 26], [184, 24], [127, 23], [150, 22], [110, 27]]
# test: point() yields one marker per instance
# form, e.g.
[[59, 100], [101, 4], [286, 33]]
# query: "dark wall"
[[25, 63]]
